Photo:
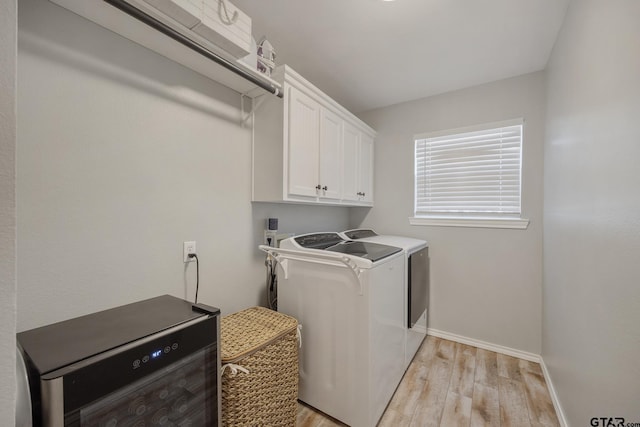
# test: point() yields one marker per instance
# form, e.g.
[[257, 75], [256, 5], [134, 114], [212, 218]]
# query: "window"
[[470, 177]]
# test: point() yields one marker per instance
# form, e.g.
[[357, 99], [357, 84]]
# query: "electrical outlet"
[[270, 238], [188, 248]]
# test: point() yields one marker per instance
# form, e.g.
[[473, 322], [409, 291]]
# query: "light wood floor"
[[451, 384]]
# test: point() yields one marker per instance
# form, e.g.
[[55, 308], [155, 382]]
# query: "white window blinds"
[[469, 172]]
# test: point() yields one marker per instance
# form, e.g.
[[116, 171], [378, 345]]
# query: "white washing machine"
[[349, 299], [416, 289]]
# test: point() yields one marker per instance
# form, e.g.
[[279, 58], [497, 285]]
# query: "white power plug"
[[270, 237]]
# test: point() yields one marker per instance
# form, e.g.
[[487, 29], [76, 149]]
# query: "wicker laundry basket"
[[259, 352]]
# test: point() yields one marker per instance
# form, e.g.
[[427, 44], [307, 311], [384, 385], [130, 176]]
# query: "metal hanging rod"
[[170, 32]]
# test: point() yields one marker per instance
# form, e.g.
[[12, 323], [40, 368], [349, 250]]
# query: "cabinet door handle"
[[318, 187], [325, 188]]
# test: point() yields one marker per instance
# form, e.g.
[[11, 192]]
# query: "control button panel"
[[155, 354]]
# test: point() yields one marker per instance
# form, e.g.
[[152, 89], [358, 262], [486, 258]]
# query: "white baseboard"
[[554, 396], [531, 357]]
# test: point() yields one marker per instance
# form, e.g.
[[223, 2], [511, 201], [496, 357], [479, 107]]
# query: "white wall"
[[122, 156], [485, 283], [591, 320], [8, 40]]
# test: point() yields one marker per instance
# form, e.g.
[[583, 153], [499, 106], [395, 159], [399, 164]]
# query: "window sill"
[[511, 223]]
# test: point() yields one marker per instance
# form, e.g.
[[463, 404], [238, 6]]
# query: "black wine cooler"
[[151, 363]]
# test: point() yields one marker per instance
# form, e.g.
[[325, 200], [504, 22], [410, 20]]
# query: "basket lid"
[[248, 330]]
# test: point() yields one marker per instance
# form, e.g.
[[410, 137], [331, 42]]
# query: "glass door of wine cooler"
[[179, 395]]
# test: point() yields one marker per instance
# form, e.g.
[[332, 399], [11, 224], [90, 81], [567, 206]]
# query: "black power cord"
[[272, 283], [197, 275]]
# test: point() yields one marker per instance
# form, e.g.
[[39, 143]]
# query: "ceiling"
[[372, 53]]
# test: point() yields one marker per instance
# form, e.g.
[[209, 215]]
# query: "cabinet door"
[[303, 142], [365, 169], [350, 159], [330, 154]]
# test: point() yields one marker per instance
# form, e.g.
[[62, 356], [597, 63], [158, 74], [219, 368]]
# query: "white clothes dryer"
[[416, 289]]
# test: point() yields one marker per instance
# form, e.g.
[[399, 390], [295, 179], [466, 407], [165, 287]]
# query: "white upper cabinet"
[[330, 155], [357, 165], [309, 149], [304, 144], [351, 149], [365, 169]]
